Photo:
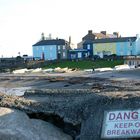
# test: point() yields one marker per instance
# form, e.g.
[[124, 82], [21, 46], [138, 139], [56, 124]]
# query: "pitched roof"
[[109, 40], [101, 35], [51, 42]]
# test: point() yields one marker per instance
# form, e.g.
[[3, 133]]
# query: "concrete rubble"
[[16, 125]]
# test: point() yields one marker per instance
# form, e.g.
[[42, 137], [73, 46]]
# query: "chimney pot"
[[89, 31], [42, 36], [103, 32], [116, 34]]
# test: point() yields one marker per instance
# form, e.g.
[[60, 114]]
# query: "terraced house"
[[108, 45], [50, 49]]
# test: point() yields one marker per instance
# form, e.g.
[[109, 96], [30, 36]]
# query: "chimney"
[[50, 36], [116, 34], [138, 36], [42, 36], [103, 32], [89, 31], [69, 39]]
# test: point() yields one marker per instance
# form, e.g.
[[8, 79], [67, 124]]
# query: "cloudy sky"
[[23, 21]]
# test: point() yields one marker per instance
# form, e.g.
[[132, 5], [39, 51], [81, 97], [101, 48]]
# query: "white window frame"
[[88, 46], [79, 54], [64, 47], [64, 54], [58, 47]]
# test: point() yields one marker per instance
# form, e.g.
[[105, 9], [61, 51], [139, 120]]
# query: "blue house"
[[122, 46], [89, 47], [50, 49], [103, 44], [87, 40], [78, 54]]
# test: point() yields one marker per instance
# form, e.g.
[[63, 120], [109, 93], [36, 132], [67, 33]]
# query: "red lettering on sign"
[[134, 115], [130, 124], [137, 124], [108, 132], [126, 115], [123, 116], [133, 131], [111, 116], [127, 132], [116, 125], [119, 116]]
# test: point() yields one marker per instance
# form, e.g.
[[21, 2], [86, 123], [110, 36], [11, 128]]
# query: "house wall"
[[50, 52], [125, 48], [118, 48], [77, 55], [132, 62], [99, 48], [89, 48], [62, 51]]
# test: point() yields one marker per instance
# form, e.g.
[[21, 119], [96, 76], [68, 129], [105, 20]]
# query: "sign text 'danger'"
[[121, 124], [123, 116]]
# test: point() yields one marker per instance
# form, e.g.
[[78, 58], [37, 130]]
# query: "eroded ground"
[[98, 82]]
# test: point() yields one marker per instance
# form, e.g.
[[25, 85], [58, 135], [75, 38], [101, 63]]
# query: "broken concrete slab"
[[75, 107], [16, 125]]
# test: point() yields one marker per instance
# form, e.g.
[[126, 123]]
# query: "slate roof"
[[78, 50], [101, 35], [110, 40], [51, 42], [92, 36]]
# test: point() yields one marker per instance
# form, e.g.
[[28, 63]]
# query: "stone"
[[16, 125]]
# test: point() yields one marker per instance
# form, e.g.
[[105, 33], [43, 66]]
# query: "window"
[[64, 54], [79, 55], [86, 54], [43, 48], [58, 47], [73, 56], [88, 46]]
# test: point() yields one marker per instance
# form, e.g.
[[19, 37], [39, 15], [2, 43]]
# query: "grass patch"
[[85, 64]]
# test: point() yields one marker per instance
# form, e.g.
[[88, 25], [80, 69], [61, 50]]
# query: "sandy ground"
[[17, 84]]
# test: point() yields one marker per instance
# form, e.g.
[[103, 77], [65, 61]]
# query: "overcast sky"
[[23, 21]]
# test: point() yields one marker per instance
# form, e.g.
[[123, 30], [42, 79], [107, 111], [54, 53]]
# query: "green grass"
[[85, 64]]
